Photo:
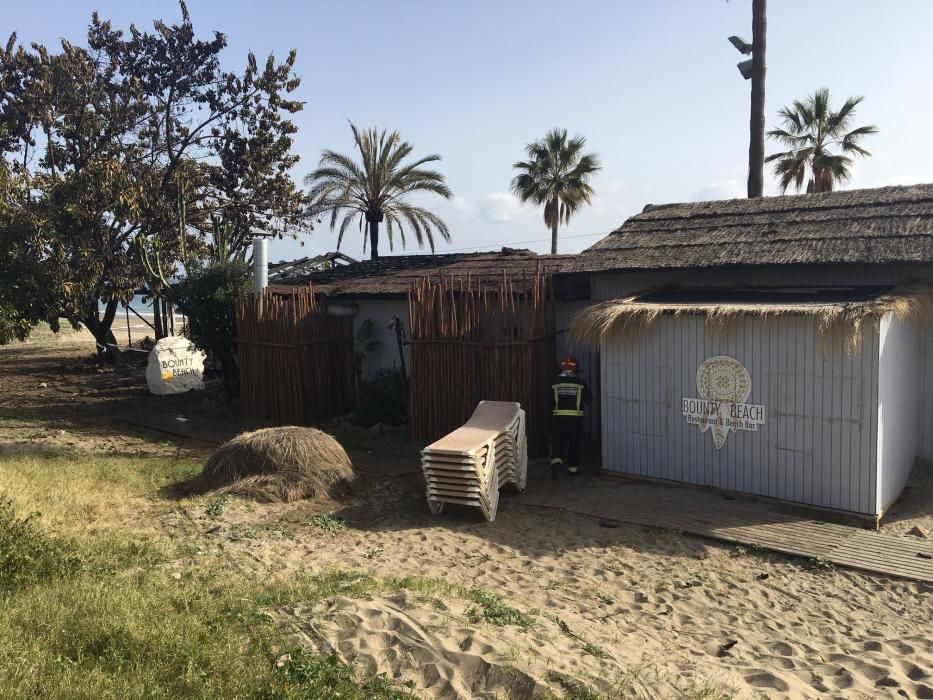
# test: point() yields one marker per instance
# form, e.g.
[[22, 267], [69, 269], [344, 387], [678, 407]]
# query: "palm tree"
[[557, 175], [811, 130], [376, 190]]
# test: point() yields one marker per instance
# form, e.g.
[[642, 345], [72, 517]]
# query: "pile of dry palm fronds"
[[280, 465]]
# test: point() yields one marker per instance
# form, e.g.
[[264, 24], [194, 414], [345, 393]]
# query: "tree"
[[127, 154], [557, 174], [377, 189], [811, 131]]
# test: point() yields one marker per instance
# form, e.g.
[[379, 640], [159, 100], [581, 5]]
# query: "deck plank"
[[707, 513]]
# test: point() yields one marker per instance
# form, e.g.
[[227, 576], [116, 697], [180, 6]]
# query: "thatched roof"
[[837, 309], [884, 225], [394, 275]]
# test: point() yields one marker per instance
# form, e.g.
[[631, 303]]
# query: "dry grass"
[[630, 317], [280, 465]]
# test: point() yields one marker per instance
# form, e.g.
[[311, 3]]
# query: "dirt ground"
[[627, 611]]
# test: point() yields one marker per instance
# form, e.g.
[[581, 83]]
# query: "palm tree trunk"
[[555, 219], [373, 239], [756, 143]]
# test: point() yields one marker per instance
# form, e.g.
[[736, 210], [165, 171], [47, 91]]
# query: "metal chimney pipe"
[[260, 264]]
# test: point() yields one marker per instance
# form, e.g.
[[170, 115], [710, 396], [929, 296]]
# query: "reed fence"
[[474, 340], [296, 361]]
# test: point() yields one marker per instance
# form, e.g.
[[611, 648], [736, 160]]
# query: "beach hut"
[[777, 346]]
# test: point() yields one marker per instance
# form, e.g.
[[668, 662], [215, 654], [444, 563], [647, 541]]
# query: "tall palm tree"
[[811, 130], [557, 175], [376, 190]]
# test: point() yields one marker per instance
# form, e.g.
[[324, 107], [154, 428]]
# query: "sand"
[[629, 611]]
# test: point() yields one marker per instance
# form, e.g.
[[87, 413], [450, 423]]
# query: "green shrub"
[[27, 555], [207, 298], [383, 399]]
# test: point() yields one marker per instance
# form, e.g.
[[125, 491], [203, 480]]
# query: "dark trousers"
[[566, 436]]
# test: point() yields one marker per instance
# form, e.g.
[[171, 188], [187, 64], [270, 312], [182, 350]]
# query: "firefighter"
[[569, 394]]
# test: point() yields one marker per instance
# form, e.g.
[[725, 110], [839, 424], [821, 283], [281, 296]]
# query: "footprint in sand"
[[766, 679]]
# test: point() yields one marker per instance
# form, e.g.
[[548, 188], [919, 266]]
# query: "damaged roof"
[[892, 225], [394, 275]]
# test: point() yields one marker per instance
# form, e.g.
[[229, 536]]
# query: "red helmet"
[[569, 364]]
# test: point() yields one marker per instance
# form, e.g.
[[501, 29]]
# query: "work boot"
[[573, 472], [555, 474]]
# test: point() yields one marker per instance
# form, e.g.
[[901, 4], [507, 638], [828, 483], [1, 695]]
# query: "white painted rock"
[[175, 366]]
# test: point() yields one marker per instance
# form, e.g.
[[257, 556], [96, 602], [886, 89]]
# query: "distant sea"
[[140, 307]]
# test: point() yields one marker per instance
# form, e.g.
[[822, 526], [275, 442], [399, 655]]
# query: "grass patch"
[[90, 610], [492, 608], [330, 679], [330, 523], [27, 555], [109, 492], [424, 585]]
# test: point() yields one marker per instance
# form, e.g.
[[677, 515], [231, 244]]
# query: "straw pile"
[[280, 465], [632, 317]]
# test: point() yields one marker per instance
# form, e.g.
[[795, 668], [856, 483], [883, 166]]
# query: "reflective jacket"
[[569, 394]]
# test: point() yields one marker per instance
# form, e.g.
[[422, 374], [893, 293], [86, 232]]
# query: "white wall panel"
[[817, 446], [898, 405]]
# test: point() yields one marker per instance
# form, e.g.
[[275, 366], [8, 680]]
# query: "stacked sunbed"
[[469, 465]]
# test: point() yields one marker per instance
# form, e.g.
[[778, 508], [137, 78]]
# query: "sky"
[[651, 85]]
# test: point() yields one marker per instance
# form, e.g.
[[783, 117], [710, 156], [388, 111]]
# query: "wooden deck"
[[736, 519]]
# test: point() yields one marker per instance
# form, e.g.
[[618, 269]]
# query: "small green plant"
[[492, 608], [27, 555], [325, 676], [330, 523], [705, 689], [216, 506], [822, 564], [606, 598], [594, 649], [243, 532]]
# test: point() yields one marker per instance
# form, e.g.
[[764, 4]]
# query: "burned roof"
[[891, 225], [394, 275], [301, 266]]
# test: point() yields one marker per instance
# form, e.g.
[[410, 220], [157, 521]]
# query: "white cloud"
[[727, 189], [463, 205], [501, 208]]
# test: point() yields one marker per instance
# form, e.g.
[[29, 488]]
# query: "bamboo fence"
[[296, 361], [474, 340]]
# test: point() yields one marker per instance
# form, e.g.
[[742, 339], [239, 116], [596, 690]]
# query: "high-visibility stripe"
[[578, 391], [556, 460], [572, 470]]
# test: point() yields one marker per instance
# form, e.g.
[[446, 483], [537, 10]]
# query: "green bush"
[[27, 555], [383, 399], [207, 298]]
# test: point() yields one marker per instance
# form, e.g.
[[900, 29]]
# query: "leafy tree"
[[207, 297], [557, 174], [811, 131], [132, 152], [377, 190]]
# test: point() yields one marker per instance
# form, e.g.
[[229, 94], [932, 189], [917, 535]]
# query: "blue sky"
[[652, 85]]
